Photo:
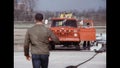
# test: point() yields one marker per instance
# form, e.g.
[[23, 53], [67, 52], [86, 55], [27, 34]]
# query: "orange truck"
[[69, 32]]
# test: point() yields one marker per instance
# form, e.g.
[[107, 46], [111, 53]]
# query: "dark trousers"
[[86, 45], [40, 61]]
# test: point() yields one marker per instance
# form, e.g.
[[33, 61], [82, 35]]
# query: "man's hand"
[[28, 58]]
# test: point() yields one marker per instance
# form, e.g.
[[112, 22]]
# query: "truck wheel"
[[52, 46], [77, 47]]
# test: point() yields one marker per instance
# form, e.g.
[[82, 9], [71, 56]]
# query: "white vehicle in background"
[[100, 42], [101, 38]]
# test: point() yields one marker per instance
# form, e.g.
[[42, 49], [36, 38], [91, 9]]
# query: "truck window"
[[57, 23]]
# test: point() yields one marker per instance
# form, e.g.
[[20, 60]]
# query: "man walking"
[[38, 37]]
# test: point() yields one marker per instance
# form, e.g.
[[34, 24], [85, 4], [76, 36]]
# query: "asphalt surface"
[[62, 59]]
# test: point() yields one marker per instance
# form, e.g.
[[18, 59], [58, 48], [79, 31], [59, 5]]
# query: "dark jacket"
[[38, 36]]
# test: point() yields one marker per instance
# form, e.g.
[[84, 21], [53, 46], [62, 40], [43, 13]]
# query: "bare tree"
[[23, 11], [30, 4]]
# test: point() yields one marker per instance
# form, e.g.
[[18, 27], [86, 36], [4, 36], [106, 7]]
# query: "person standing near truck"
[[38, 36], [86, 44]]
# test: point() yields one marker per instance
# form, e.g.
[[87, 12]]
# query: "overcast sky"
[[63, 5]]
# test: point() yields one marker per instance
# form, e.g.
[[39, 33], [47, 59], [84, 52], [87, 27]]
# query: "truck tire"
[[77, 46], [52, 46]]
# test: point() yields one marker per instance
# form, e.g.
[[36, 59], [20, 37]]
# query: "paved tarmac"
[[62, 59]]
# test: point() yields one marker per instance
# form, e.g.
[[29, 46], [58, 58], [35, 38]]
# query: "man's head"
[[39, 17], [88, 24]]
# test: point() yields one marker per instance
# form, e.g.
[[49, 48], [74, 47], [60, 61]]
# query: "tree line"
[[20, 15], [23, 14]]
